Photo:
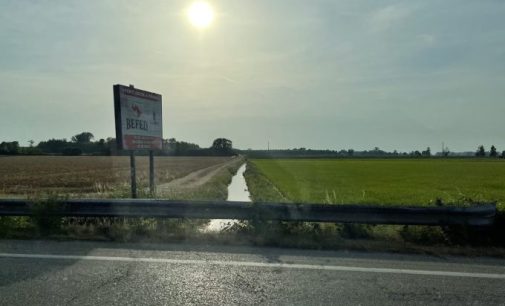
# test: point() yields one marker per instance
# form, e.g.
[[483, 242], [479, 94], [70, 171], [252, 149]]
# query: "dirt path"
[[196, 178]]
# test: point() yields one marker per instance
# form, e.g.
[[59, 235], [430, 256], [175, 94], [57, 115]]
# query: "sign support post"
[[133, 174], [151, 172]]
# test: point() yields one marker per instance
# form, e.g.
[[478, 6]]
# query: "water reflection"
[[237, 191]]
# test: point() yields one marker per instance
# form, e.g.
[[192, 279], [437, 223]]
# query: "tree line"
[[375, 152], [219, 147], [83, 143], [493, 152]]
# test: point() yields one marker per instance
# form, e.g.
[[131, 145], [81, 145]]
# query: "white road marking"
[[257, 264]]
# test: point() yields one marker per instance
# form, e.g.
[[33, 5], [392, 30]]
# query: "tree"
[[173, 147], [53, 145], [10, 148], [222, 146], [502, 154], [84, 137], [427, 152], [492, 152], [481, 152], [172, 142], [185, 148]]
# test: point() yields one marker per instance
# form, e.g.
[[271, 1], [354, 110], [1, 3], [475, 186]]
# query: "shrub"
[[425, 235], [44, 216]]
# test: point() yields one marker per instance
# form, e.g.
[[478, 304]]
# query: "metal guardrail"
[[480, 215]]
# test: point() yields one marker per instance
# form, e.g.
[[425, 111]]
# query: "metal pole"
[[133, 174], [151, 172]]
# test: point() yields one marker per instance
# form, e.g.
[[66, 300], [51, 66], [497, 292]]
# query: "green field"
[[386, 181]]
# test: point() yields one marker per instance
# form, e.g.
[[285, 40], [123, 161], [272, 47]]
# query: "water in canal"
[[237, 191]]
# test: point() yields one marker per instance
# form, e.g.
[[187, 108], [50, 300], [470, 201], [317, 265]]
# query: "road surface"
[[104, 273]]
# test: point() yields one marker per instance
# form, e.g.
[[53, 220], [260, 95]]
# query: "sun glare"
[[200, 14]]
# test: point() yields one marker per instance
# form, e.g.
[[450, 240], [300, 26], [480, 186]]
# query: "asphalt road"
[[96, 273]]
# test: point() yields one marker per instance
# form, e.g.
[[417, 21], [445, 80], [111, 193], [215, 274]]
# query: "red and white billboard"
[[139, 124]]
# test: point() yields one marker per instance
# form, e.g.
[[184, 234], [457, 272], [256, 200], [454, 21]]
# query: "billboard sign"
[[139, 124]]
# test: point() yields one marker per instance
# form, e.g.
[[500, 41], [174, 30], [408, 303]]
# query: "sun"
[[200, 14]]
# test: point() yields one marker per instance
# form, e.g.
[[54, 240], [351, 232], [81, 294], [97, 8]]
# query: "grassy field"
[[384, 181], [25, 175]]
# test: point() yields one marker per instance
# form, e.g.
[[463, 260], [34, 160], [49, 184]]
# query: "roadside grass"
[[261, 189]]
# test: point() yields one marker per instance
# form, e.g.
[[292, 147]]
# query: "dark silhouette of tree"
[[427, 152], [173, 147], [492, 152], [9, 148], [53, 145], [481, 152], [30, 150], [84, 137], [222, 146], [185, 148], [502, 154], [172, 142]]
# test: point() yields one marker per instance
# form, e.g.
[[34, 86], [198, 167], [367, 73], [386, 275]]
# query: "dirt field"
[[20, 175]]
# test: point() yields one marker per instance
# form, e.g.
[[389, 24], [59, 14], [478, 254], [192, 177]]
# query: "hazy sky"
[[322, 74]]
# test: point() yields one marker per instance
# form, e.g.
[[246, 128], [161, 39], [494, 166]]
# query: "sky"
[[358, 74]]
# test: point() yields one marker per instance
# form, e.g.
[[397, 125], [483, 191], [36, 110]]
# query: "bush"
[[355, 231], [12, 227], [425, 235], [478, 235], [45, 218]]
